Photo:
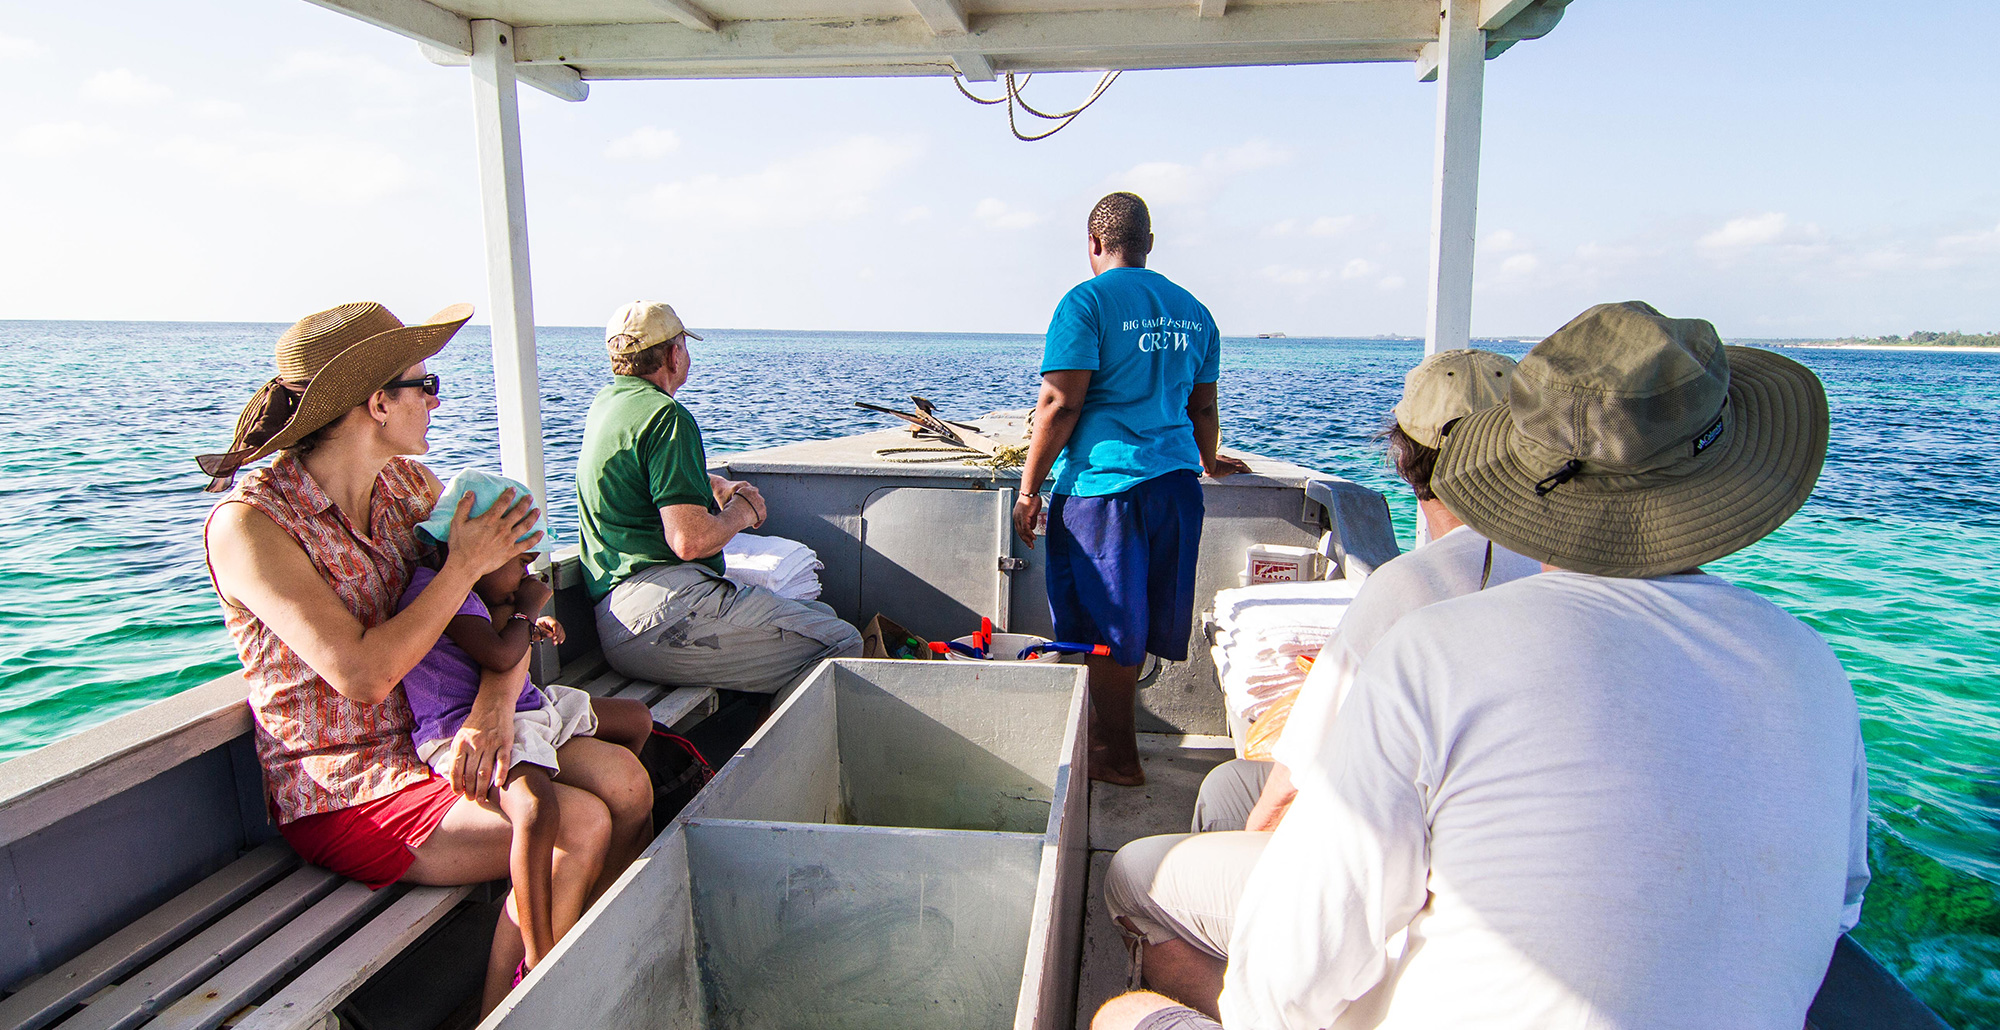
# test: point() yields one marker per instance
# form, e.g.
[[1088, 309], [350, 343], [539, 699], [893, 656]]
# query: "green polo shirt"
[[641, 452]]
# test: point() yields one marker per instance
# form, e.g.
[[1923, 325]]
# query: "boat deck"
[[1174, 767]]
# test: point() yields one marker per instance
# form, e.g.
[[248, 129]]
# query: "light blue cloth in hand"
[[485, 488]]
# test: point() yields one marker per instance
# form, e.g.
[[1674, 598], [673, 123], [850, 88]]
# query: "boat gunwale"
[[53, 782]]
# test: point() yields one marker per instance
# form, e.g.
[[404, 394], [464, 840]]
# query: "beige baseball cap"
[[642, 324], [1448, 386]]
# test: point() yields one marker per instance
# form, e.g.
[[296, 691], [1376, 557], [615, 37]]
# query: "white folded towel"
[[1262, 631], [784, 567]]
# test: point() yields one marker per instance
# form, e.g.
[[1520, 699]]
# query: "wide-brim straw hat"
[[328, 362], [1637, 445]]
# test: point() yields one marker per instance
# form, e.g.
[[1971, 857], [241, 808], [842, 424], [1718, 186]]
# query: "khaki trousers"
[[1183, 885], [685, 626]]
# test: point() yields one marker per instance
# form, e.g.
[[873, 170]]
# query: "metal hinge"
[[1012, 564]]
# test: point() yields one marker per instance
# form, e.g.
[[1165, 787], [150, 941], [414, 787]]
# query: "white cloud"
[[994, 213], [1359, 268], [1289, 275], [314, 167], [832, 184], [1769, 235], [1503, 240], [1325, 225], [124, 86], [1520, 265], [1752, 231], [354, 69], [220, 110], [1608, 254], [644, 144], [15, 48], [918, 213], [1171, 182], [1329, 225], [60, 139], [1977, 240], [1390, 283]]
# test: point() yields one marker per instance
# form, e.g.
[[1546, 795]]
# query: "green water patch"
[[104, 604]]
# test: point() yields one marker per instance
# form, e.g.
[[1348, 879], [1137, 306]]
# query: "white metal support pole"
[[1461, 52], [503, 198]]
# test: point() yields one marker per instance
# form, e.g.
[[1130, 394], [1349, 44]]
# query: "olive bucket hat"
[[1636, 445], [327, 363]]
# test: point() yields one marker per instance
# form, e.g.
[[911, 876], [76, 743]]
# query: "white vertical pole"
[[503, 198], [1455, 187]]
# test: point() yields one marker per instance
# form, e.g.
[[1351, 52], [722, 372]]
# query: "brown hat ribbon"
[[266, 414]]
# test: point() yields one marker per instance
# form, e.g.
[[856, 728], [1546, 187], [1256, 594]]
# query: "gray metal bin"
[[902, 845]]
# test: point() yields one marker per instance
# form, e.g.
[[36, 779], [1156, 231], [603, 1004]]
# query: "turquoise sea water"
[[105, 606]]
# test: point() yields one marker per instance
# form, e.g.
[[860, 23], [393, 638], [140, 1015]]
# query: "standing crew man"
[[1125, 421], [654, 523]]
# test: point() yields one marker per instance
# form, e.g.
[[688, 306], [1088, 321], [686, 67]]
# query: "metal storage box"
[[901, 845]]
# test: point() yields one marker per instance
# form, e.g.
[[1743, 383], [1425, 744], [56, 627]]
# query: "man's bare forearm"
[[1056, 413], [1207, 435]]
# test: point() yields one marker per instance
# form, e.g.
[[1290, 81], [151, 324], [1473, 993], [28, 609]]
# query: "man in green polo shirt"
[[654, 523]]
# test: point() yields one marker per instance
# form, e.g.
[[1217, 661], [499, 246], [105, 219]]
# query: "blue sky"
[[1783, 169]]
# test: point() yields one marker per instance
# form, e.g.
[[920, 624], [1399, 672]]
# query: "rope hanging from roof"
[[1013, 97]]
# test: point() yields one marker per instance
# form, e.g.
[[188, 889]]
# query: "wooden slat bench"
[[219, 946], [677, 708]]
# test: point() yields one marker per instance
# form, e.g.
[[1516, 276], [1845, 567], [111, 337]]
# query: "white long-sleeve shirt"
[[1590, 802], [1450, 566]]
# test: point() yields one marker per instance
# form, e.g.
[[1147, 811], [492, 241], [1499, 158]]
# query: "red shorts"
[[375, 841]]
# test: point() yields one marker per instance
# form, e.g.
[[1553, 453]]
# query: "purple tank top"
[[442, 686]]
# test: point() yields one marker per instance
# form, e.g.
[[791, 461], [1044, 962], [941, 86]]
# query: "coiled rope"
[[938, 455], [1013, 96]]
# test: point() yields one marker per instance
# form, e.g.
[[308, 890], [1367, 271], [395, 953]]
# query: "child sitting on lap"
[[493, 631]]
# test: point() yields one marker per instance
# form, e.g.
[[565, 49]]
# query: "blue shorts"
[[1121, 567]]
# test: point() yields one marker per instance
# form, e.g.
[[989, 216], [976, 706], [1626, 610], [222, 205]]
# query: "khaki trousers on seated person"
[[1182, 885], [685, 626]]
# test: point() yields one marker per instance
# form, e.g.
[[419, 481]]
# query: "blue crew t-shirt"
[[1146, 343]]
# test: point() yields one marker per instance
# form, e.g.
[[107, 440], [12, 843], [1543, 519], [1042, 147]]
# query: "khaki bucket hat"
[[328, 362], [1448, 386], [1636, 445]]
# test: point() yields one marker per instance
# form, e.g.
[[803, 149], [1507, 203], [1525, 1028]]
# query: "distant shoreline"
[[1882, 346]]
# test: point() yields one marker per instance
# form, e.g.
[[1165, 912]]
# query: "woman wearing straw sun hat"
[[1622, 792], [310, 556]]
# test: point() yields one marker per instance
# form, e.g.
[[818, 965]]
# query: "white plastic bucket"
[[1005, 647]]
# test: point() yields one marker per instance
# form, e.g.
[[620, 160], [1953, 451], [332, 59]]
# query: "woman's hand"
[[480, 545], [483, 750]]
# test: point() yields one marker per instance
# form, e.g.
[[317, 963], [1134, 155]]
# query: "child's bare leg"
[[528, 799], [622, 721]]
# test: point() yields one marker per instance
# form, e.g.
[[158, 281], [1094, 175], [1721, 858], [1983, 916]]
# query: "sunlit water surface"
[[105, 604]]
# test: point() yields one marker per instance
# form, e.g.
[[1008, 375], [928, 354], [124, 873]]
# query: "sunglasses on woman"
[[429, 383]]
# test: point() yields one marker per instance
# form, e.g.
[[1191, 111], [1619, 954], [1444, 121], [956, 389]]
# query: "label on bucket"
[[1278, 563]]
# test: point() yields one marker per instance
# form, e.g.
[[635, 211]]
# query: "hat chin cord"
[[1557, 478]]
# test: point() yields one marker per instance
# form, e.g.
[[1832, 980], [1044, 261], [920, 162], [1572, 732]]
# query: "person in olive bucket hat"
[[1623, 792]]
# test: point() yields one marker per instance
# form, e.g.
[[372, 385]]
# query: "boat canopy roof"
[[559, 44]]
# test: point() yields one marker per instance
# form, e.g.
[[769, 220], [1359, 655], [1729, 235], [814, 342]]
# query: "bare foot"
[[1104, 771]]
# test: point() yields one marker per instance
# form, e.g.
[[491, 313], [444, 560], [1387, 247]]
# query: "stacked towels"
[[1262, 630], [784, 567]]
